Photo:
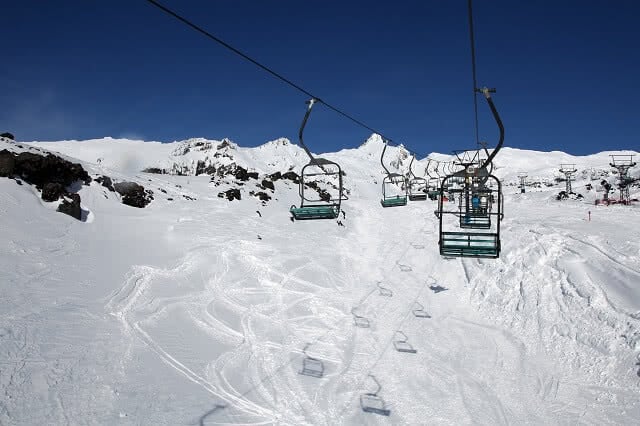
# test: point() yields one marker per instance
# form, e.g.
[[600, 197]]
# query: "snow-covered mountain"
[[201, 310]]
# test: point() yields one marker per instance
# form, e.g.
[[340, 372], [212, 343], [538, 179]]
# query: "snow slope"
[[198, 311]]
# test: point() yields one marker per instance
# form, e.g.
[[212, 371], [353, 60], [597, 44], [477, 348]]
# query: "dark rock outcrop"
[[39, 170], [7, 163], [262, 196], [275, 176], [7, 135], [268, 184], [292, 176], [154, 170], [71, 205], [52, 191], [133, 194], [231, 194], [106, 182]]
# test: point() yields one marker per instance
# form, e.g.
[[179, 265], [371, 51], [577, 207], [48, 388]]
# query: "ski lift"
[[392, 180], [325, 205], [359, 320], [419, 312], [311, 366], [383, 291], [417, 185], [474, 244], [401, 343], [371, 402]]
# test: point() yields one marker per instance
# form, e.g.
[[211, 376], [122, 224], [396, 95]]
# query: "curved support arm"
[[411, 174], [427, 169], [382, 157], [310, 102], [487, 94], [377, 384]]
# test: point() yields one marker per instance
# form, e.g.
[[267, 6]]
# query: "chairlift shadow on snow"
[[437, 288], [401, 343], [419, 312], [403, 267], [383, 291], [359, 320], [371, 402], [217, 407], [311, 366]]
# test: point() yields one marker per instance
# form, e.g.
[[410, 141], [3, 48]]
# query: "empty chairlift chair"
[[417, 185], [391, 197], [323, 204]]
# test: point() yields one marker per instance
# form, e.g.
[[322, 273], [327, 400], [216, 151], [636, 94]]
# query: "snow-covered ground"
[[198, 310]]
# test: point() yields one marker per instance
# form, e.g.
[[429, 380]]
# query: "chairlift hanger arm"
[[310, 102], [487, 94], [382, 157]]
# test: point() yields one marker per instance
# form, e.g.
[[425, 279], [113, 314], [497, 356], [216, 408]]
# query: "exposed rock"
[[231, 194], [7, 163], [52, 191], [154, 170], [38, 170], [203, 169], [268, 184], [106, 182], [71, 205], [275, 176], [7, 135], [292, 176], [133, 194], [263, 196]]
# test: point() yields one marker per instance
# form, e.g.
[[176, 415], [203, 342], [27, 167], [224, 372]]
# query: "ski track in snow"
[[547, 334]]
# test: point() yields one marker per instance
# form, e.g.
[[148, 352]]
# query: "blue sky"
[[567, 72]]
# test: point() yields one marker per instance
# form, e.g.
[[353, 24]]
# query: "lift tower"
[[623, 163], [568, 170], [523, 180]]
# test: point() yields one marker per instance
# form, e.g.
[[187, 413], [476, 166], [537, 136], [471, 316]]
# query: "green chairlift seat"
[[469, 244], [394, 201], [317, 206], [315, 212], [392, 179]]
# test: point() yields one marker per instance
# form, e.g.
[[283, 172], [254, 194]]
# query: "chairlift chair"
[[324, 205], [479, 242], [417, 185], [392, 180]]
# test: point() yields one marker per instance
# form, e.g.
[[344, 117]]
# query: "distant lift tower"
[[523, 180], [623, 163], [568, 170]]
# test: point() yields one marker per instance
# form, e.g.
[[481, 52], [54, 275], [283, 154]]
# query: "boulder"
[[52, 191], [71, 205], [268, 184], [7, 163], [133, 194], [231, 194], [7, 135]]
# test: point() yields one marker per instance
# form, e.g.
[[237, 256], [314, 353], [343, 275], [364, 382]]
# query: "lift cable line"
[[473, 70], [263, 67]]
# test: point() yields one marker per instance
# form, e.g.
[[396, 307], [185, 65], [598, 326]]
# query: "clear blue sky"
[[567, 72]]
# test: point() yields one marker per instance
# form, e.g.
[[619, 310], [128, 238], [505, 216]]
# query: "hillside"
[[197, 309]]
